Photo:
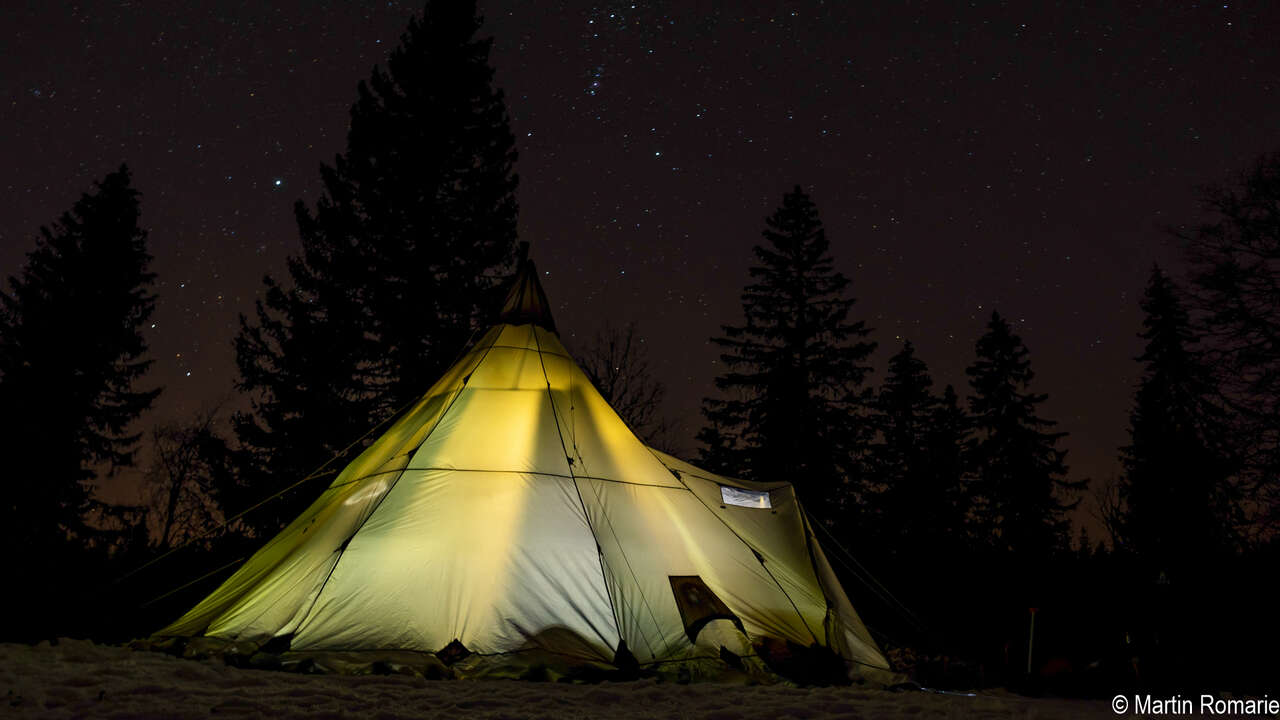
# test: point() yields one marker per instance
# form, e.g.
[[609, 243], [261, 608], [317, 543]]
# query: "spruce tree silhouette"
[[71, 361], [919, 499], [71, 349], [792, 390], [1179, 508], [1019, 474], [946, 439], [1236, 284], [400, 259], [899, 457]]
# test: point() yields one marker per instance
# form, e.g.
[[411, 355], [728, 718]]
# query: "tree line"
[[957, 499], [902, 462], [936, 494]]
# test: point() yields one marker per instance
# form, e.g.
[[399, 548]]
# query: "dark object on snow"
[[731, 658], [277, 645], [806, 666], [453, 652], [624, 660]]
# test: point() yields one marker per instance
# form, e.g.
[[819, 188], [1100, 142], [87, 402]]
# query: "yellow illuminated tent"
[[511, 511]]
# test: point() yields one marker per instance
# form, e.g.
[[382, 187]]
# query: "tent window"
[[745, 498]]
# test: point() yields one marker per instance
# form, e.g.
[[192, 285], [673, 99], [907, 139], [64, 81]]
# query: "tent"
[[509, 511]]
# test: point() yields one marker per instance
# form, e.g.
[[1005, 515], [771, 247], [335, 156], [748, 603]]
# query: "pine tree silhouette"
[[1236, 282], [916, 464], [71, 349], [792, 391], [1175, 487], [1019, 474], [899, 459], [400, 258], [946, 439]]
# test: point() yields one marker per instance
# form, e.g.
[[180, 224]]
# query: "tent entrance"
[[698, 605]]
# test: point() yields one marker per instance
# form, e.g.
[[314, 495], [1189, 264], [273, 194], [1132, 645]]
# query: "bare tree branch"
[[617, 362], [188, 462]]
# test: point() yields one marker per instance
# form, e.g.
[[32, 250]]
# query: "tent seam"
[[743, 540], [587, 515], [347, 543], [604, 575], [573, 431]]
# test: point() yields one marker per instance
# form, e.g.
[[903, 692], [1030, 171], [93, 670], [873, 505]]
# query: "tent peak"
[[526, 301]]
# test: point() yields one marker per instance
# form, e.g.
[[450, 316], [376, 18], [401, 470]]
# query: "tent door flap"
[[698, 605]]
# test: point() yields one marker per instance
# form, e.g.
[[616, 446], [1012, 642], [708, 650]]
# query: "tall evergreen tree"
[[899, 458], [792, 391], [1177, 498], [1019, 474], [1236, 276], [71, 356], [400, 256], [313, 390], [916, 462], [950, 503], [720, 451]]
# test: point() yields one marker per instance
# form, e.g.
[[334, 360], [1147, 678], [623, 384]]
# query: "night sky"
[[964, 157]]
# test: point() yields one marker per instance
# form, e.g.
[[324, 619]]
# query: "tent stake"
[[1031, 638]]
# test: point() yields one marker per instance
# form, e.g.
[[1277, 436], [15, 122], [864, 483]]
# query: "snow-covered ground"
[[76, 679]]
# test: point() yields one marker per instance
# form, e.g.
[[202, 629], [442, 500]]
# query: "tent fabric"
[[526, 302], [511, 508]]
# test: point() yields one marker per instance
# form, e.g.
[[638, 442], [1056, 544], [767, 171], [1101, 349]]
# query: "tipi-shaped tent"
[[512, 509]]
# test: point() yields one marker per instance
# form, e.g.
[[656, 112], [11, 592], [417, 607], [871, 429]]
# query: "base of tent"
[[768, 663]]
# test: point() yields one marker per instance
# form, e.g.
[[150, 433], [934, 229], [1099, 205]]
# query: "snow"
[[76, 678]]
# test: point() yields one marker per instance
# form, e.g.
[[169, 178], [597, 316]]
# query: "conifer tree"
[[792, 391], [306, 364], [1084, 545], [1019, 474], [71, 357], [916, 462], [1236, 283], [400, 257], [1175, 487], [948, 508], [899, 459], [719, 452]]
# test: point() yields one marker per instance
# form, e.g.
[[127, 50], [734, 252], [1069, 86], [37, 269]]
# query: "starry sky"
[[965, 157]]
